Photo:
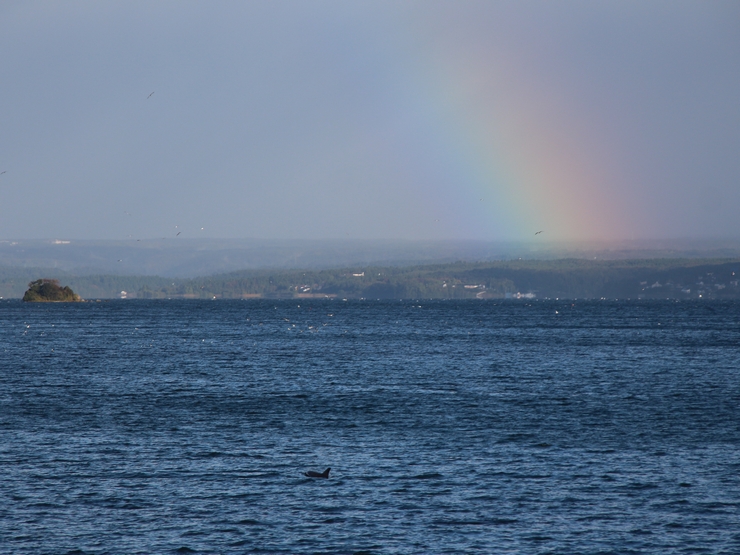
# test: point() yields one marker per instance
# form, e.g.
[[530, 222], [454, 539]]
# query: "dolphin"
[[312, 474]]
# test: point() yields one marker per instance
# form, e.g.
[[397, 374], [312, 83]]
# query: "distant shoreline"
[[528, 279]]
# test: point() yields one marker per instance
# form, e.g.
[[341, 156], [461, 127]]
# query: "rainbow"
[[530, 155]]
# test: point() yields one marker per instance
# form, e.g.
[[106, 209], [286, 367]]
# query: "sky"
[[587, 121]]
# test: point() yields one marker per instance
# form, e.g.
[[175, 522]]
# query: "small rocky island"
[[49, 291]]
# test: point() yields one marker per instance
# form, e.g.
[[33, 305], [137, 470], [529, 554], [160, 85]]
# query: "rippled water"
[[450, 427]]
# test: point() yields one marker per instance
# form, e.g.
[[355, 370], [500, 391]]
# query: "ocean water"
[[450, 427]]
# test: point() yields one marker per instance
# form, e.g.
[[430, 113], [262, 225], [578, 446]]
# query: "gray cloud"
[[289, 120]]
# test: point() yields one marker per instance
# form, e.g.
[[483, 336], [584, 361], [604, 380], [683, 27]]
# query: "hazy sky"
[[409, 120]]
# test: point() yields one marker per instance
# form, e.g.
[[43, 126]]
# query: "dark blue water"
[[450, 427]]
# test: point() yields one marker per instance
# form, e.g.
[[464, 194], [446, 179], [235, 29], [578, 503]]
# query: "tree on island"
[[49, 290]]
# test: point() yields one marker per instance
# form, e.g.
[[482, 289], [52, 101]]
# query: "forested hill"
[[541, 279], [568, 278]]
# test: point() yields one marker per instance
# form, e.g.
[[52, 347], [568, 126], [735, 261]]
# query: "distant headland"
[[680, 279], [49, 291]]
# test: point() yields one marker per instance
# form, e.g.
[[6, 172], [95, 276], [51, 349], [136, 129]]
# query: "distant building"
[[520, 295]]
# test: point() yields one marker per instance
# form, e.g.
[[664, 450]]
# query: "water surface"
[[450, 427]]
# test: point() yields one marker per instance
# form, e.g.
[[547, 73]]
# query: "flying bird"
[[540, 231], [178, 233], [150, 94], [6, 171]]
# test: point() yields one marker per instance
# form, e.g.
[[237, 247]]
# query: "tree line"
[[566, 278]]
